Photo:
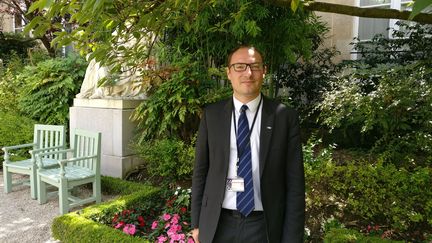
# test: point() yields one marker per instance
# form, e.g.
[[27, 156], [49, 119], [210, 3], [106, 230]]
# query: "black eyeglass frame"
[[256, 68]]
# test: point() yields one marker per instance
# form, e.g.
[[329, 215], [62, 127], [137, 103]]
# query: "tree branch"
[[358, 11]]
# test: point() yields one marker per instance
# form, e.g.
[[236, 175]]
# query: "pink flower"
[[172, 231], [119, 225], [190, 240], [154, 225], [162, 238], [129, 229], [177, 237], [175, 219], [177, 227], [166, 217]]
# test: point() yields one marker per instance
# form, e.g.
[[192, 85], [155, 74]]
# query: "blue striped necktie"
[[245, 200]]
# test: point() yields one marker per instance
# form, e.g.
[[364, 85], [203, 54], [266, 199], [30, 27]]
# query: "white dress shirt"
[[230, 199]]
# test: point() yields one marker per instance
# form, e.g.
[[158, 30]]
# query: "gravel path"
[[23, 219]]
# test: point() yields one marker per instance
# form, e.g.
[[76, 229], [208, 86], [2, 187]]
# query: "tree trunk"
[[358, 11], [46, 41]]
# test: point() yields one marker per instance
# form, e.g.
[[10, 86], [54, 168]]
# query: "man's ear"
[[228, 72]]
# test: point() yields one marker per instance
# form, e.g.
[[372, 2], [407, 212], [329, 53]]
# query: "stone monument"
[[107, 109]]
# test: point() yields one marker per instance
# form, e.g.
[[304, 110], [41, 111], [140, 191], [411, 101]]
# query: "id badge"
[[235, 184]]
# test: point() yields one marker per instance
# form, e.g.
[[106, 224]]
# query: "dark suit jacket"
[[280, 165]]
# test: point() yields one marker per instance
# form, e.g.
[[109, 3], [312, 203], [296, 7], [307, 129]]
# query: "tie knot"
[[243, 108]]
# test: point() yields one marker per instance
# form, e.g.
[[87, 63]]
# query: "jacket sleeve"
[[200, 171], [293, 230]]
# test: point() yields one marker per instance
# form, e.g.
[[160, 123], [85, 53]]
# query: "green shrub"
[[349, 235], [388, 106], [409, 43], [172, 110], [170, 159], [88, 224], [49, 89], [365, 193], [15, 129], [72, 228], [14, 43], [10, 86]]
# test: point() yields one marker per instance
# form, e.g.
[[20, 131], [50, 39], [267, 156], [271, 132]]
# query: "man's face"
[[246, 83]]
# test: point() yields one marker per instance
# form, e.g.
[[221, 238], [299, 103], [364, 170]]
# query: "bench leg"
[[7, 177], [63, 197], [97, 190], [42, 191], [33, 183]]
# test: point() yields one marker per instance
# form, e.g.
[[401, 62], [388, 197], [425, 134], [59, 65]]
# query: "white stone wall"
[[111, 118]]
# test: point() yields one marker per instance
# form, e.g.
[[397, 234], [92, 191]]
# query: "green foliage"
[[419, 6], [171, 159], [15, 129], [391, 105], [9, 90], [349, 235], [89, 224], [172, 110], [205, 30], [14, 43], [72, 228], [369, 193], [307, 80], [409, 43], [49, 89]]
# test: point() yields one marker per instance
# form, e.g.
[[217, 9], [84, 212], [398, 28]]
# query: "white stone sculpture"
[[127, 85]]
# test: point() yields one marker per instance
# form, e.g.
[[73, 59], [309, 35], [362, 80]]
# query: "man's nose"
[[248, 70]]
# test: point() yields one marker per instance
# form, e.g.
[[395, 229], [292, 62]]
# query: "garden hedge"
[[349, 235], [81, 224], [91, 223]]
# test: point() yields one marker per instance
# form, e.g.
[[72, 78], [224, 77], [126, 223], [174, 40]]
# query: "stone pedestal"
[[111, 118]]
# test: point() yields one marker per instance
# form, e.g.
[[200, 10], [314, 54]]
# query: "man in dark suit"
[[248, 180]]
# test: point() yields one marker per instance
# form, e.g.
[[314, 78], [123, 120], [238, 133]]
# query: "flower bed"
[[138, 215], [167, 223]]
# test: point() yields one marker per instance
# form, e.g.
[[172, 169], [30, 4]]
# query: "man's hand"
[[195, 233]]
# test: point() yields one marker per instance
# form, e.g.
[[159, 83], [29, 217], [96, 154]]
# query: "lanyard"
[[249, 133]]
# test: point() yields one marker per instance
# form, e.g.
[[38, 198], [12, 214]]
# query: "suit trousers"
[[233, 227]]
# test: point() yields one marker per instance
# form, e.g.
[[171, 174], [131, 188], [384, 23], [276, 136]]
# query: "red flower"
[[141, 221], [183, 209], [170, 202], [115, 218]]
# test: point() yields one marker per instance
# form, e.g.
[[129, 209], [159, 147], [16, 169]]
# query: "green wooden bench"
[[46, 138], [82, 168]]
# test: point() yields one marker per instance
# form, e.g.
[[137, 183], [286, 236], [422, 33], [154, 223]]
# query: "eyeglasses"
[[240, 67]]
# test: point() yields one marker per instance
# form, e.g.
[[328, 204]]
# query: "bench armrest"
[[40, 155], [64, 162], [6, 148]]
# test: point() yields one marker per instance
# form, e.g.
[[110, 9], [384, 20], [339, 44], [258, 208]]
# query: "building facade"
[[344, 28]]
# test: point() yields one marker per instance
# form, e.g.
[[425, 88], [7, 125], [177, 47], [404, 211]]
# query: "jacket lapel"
[[226, 130], [267, 121]]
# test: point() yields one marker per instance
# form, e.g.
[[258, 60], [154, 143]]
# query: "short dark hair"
[[240, 47]]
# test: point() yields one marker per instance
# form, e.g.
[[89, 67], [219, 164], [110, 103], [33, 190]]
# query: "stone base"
[[111, 118]]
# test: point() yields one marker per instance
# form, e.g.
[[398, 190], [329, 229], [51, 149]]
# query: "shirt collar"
[[252, 105]]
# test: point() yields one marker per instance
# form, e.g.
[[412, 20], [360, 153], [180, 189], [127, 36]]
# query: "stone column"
[[110, 117]]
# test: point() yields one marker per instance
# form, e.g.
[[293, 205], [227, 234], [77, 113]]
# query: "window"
[[369, 27], [18, 23]]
